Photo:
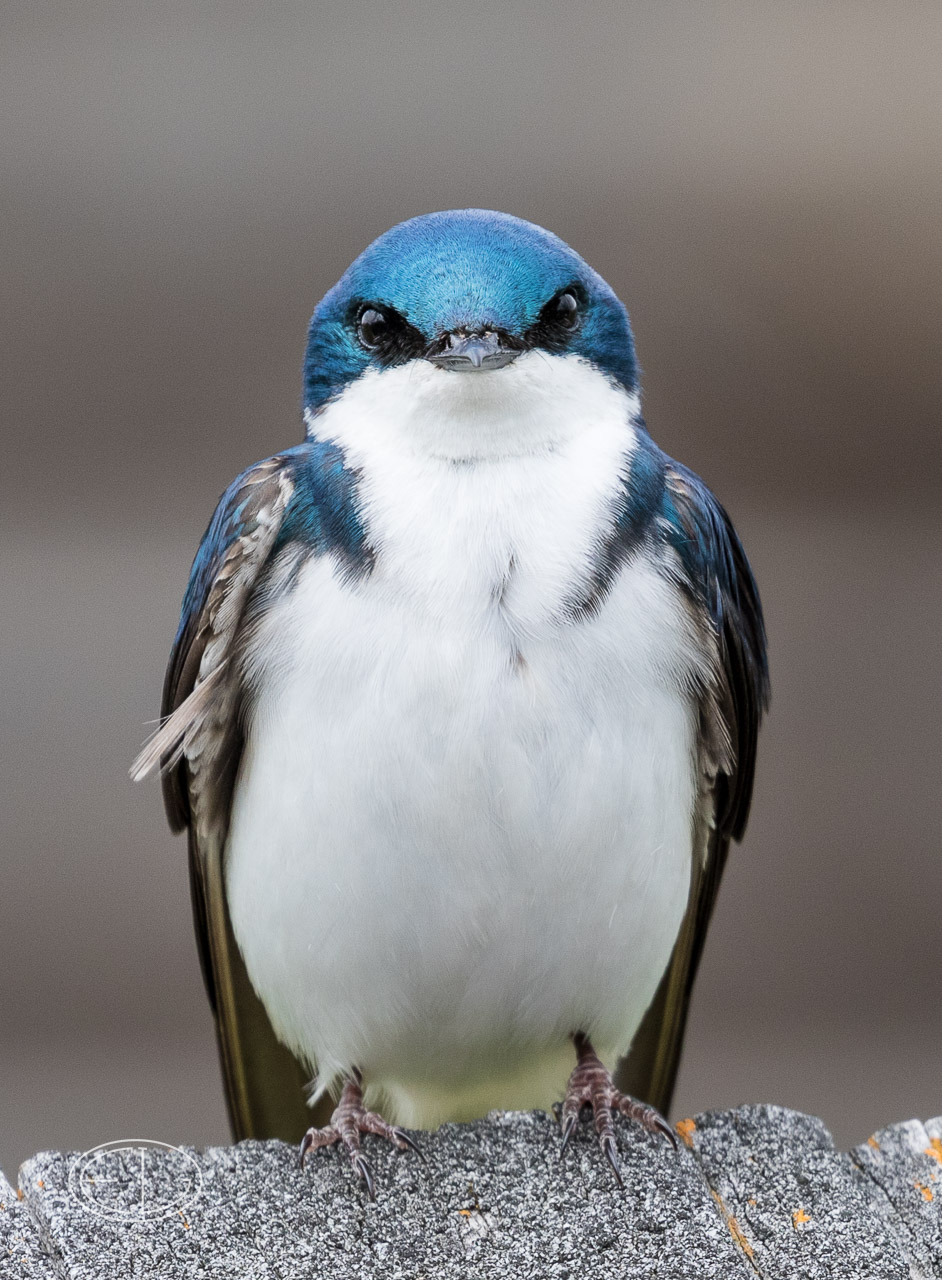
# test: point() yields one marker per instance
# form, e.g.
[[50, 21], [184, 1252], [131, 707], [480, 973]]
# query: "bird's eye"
[[567, 311], [559, 319], [372, 328]]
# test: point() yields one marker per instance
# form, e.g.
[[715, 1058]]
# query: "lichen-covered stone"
[[760, 1191], [22, 1255], [903, 1169], [799, 1206], [491, 1198]]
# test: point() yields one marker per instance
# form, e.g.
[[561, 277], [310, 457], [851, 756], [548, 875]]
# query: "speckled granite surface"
[[756, 1191]]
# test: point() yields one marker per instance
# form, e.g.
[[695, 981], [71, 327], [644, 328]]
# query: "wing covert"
[[717, 574], [198, 725]]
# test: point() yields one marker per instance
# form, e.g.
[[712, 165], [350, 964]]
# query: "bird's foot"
[[350, 1118], [591, 1085]]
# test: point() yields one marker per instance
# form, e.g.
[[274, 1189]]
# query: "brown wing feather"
[[265, 1083], [650, 1070]]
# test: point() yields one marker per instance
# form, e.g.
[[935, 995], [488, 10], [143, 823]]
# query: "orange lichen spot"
[[19, 1194], [737, 1234], [686, 1129], [752, 1202], [925, 1191], [799, 1216], [40, 1183], [465, 1213], [872, 1142], [183, 1220], [735, 1230], [934, 1149]]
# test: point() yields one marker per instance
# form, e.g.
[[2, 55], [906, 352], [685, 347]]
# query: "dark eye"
[[567, 311], [559, 319], [372, 328], [389, 336]]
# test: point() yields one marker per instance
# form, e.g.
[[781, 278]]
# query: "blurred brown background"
[[762, 184]]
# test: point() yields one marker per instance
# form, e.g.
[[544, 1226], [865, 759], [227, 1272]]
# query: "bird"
[[461, 714]]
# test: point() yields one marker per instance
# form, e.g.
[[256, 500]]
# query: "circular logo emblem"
[[136, 1180]]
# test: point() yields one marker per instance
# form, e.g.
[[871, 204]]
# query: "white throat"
[[538, 404], [465, 476]]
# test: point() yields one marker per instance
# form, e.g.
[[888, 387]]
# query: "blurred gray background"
[[760, 182]]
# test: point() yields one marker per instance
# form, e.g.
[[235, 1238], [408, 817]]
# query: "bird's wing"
[[198, 747], [714, 574]]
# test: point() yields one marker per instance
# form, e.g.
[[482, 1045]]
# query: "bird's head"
[[467, 313]]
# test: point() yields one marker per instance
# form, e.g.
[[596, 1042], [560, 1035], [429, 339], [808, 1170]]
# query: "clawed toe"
[[349, 1120], [403, 1140], [591, 1085], [648, 1117], [366, 1175], [611, 1155], [663, 1128], [306, 1143], [569, 1128]]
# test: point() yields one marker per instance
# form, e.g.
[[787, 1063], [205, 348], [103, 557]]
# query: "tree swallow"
[[461, 713]]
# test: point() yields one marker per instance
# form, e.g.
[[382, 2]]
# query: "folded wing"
[[714, 574], [198, 747]]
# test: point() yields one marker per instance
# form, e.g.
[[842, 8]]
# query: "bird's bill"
[[472, 352]]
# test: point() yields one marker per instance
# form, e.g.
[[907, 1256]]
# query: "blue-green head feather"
[[464, 272]]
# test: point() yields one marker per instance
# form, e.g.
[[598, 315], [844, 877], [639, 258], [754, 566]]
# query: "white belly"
[[462, 828], [452, 846]]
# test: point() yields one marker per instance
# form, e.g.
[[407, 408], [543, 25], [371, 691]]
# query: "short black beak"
[[472, 352]]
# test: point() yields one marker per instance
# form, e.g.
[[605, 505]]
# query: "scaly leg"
[[349, 1120], [590, 1085]]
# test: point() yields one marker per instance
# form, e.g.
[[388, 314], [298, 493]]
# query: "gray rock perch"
[[759, 1191]]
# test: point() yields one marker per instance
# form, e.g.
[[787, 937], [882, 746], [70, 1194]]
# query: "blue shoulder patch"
[[323, 513], [643, 486]]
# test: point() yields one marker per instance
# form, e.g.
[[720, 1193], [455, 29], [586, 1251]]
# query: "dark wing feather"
[[198, 747], [231, 556], [715, 575]]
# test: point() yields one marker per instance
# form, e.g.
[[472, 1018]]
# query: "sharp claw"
[[366, 1173], [611, 1155], [666, 1131], [568, 1131], [403, 1137], [306, 1143]]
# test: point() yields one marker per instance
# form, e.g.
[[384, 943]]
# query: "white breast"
[[462, 827]]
